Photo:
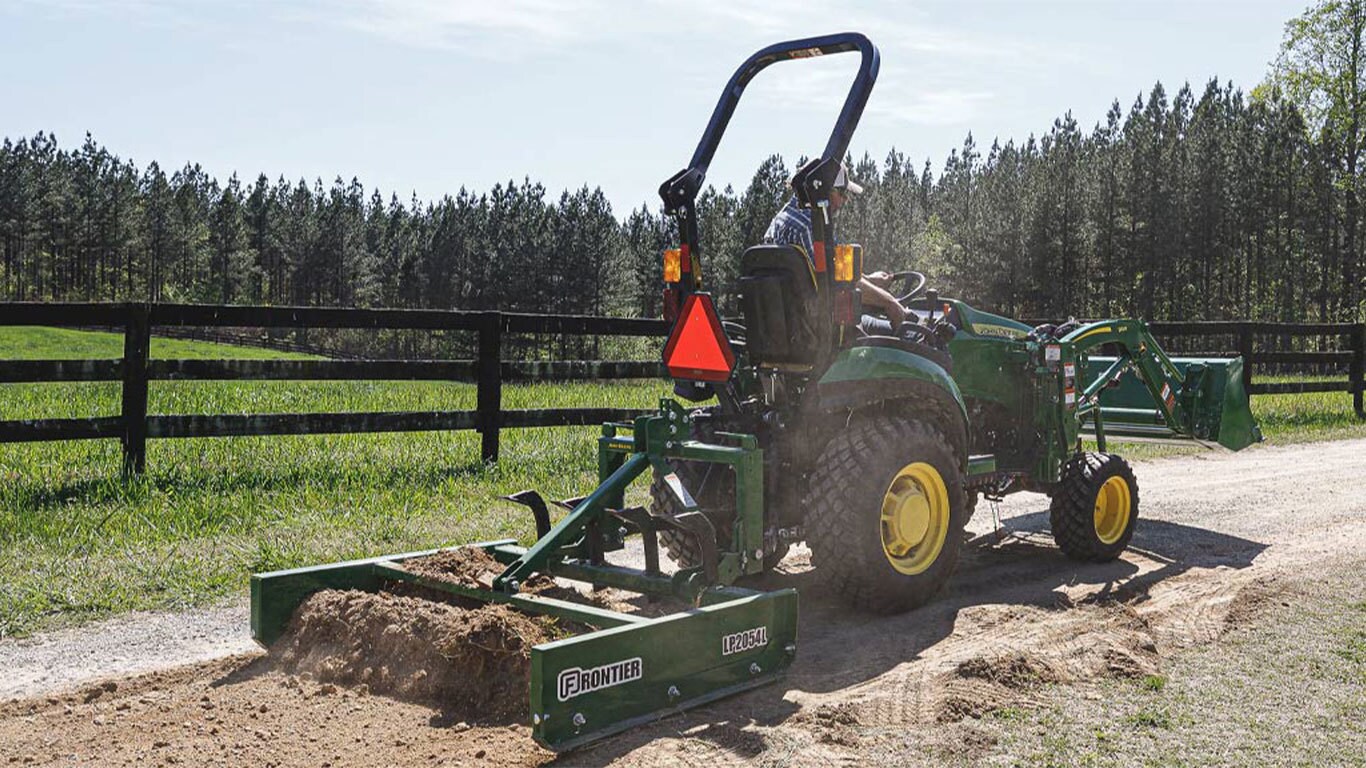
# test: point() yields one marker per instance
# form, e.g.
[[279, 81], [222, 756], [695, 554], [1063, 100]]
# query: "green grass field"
[[78, 542]]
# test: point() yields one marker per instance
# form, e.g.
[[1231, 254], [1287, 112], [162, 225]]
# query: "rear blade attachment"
[[590, 686], [629, 671]]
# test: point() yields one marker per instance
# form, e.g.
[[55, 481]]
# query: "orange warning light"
[[697, 348], [844, 263], [673, 265]]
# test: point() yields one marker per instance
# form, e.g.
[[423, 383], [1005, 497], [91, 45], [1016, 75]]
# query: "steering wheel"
[[914, 280]]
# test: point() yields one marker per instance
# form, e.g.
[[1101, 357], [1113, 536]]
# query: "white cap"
[[842, 181]]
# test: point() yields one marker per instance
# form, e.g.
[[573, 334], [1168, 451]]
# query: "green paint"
[[657, 668], [1212, 403], [862, 364], [979, 323], [638, 668], [981, 465], [275, 595], [571, 526], [991, 369], [663, 438]]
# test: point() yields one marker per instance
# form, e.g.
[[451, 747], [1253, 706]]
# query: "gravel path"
[[127, 645]]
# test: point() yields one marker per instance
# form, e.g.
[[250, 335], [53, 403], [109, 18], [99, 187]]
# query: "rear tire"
[[1095, 507], [885, 513]]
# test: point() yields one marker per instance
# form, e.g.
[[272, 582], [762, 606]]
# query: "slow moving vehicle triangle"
[[697, 347]]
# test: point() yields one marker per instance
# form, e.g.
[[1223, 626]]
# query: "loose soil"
[[1226, 543], [469, 566], [474, 664], [477, 568]]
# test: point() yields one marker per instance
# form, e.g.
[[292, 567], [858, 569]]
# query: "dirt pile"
[[1010, 653], [1013, 670], [474, 664], [473, 567], [468, 565], [837, 724], [243, 712]]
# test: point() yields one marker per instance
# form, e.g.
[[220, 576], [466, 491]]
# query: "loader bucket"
[[1216, 403], [627, 671]]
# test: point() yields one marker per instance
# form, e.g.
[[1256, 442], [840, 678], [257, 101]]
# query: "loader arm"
[[1196, 399], [1138, 351]]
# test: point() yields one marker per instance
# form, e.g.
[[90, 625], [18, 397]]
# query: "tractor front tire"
[[1095, 507], [885, 513]]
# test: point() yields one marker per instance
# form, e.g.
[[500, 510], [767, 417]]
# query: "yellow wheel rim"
[[1113, 508], [915, 518]]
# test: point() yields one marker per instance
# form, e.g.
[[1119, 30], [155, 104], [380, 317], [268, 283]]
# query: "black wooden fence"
[[1340, 346], [1346, 343], [488, 371]]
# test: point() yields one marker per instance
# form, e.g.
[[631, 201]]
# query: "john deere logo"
[[576, 681], [744, 641], [998, 331]]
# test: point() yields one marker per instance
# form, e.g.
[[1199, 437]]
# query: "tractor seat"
[[778, 301]]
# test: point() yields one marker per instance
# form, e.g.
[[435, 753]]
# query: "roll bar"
[[680, 190], [812, 183]]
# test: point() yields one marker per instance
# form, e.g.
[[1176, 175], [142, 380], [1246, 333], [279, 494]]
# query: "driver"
[[792, 226]]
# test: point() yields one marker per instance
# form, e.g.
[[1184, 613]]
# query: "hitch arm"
[[572, 526]]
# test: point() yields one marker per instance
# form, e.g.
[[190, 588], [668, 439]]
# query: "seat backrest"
[[778, 300]]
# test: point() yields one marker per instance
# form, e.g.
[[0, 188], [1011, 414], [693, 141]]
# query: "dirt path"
[[128, 645], [1222, 535]]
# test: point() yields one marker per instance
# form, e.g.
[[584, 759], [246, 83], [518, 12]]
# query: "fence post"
[[1358, 368], [490, 393], [136, 341], [1245, 351]]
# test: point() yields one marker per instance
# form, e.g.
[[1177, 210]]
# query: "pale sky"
[[428, 95]]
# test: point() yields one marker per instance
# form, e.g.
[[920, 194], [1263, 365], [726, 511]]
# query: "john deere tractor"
[[872, 449], [876, 448]]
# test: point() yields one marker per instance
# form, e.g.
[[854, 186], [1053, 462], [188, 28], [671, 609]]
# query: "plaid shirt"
[[792, 226]]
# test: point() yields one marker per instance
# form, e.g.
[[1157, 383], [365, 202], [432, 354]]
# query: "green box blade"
[[591, 686]]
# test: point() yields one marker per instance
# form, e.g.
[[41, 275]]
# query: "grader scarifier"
[[871, 449]]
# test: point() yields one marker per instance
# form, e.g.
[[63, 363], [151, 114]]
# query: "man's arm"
[[880, 278], [875, 295]]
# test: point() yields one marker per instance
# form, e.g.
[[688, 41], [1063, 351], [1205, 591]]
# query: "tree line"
[[1208, 203], [1208, 207]]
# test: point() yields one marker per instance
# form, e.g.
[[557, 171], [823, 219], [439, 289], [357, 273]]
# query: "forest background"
[[1206, 203]]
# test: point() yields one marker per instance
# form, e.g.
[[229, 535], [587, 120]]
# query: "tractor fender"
[[865, 377]]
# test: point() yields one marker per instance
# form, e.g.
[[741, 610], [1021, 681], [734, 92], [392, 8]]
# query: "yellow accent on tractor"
[[1113, 506], [915, 518]]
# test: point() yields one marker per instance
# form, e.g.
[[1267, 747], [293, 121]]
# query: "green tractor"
[[871, 449], [876, 448]]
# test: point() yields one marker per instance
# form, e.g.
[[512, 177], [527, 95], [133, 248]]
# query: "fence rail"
[[1352, 353], [134, 426]]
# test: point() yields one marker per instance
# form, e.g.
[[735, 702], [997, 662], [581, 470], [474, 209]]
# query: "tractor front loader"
[[870, 449]]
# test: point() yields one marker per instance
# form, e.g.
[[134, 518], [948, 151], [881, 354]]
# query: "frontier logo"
[[744, 641], [577, 681]]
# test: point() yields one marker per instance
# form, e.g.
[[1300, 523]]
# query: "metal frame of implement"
[[632, 669]]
